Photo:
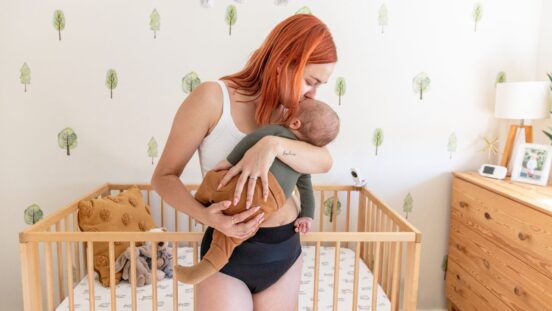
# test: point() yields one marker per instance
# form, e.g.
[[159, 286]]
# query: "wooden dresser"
[[500, 245]]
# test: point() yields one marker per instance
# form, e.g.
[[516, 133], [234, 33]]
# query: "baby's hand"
[[222, 165], [303, 224]]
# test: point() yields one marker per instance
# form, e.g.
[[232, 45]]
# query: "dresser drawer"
[[518, 229], [467, 294], [518, 285]]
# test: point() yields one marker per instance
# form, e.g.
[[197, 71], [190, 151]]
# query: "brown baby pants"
[[222, 246]]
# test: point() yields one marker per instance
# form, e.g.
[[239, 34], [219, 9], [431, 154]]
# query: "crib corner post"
[[30, 276], [412, 275]]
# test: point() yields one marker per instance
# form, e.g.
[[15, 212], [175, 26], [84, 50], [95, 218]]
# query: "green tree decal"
[[491, 147], [111, 81], [340, 88], [500, 77], [33, 214], [328, 207], [549, 135], [67, 139], [420, 84], [383, 17], [155, 22], [451, 146], [59, 22], [231, 17], [407, 205], [304, 10], [476, 15], [152, 149], [377, 140], [190, 82], [25, 75]]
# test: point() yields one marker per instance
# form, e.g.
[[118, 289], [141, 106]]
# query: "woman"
[[296, 58]]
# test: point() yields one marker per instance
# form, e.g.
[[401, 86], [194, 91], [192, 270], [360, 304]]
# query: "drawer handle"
[[523, 236], [487, 215], [457, 276], [486, 263], [463, 204], [518, 291]]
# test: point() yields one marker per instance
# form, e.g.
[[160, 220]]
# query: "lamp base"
[[509, 144]]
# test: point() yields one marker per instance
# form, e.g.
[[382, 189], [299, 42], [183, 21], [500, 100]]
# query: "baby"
[[316, 123]]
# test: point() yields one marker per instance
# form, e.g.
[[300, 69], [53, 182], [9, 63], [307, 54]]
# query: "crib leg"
[[412, 275]]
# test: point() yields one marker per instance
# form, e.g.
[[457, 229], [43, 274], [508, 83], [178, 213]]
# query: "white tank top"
[[222, 139]]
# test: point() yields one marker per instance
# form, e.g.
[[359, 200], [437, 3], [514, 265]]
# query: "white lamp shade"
[[522, 100]]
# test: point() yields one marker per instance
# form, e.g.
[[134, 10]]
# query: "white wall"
[[544, 65], [67, 89]]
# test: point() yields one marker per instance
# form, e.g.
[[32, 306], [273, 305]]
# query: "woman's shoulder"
[[208, 92]]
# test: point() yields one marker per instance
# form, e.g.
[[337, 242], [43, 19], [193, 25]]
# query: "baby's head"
[[316, 123]]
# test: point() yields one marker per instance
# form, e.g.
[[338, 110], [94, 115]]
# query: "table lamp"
[[520, 100]]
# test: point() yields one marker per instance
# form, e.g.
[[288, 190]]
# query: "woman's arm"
[[191, 124], [301, 156], [256, 162]]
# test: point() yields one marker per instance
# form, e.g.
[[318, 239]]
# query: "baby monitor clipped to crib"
[[357, 178]]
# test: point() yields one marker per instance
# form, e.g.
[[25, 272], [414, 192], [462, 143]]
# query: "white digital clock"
[[493, 171]]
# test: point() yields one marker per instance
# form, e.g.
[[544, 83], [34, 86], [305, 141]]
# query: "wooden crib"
[[55, 255]]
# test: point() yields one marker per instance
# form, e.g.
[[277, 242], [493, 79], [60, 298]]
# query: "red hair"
[[275, 71]]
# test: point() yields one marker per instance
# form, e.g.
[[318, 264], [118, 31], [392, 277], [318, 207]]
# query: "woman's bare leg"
[[282, 295], [222, 292]]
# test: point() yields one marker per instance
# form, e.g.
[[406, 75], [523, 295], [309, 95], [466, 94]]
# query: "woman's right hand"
[[233, 226]]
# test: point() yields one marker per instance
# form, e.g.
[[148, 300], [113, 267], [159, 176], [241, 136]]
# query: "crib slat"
[[133, 279], [336, 275], [348, 211], [175, 282], [49, 275], [355, 278], [321, 211], [316, 272], [376, 277], [370, 224], [154, 276], [162, 213], [385, 257], [334, 212], [70, 285], [396, 277], [90, 266], [77, 247], [59, 265], [112, 276], [361, 225]]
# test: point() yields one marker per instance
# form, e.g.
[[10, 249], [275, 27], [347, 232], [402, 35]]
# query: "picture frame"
[[532, 164]]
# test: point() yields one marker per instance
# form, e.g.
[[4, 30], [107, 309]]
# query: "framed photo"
[[532, 164]]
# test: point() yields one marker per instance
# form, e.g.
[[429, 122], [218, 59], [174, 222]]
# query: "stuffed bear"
[[164, 256], [143, 273]]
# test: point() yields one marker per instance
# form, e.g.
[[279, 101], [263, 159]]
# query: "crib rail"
[[55, 255]]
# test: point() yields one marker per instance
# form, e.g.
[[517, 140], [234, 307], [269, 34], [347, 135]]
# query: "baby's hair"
[[319, 122]]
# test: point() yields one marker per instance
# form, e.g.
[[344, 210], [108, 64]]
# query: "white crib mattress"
[[185, 292]]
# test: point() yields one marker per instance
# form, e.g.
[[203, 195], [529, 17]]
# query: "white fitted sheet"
[[185, 292]]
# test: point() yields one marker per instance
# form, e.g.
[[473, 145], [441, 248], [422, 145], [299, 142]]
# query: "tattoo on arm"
[[288, 153]]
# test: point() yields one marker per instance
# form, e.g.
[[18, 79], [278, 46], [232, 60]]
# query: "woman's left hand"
[[255, 164]]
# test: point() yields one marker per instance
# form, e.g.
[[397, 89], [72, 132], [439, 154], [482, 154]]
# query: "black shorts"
[[261, 260]]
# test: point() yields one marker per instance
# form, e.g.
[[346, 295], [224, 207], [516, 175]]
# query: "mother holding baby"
[[297, 57]]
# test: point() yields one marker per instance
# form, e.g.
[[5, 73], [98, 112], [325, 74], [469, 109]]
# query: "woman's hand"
[[232, 226], [255, 164]]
